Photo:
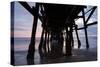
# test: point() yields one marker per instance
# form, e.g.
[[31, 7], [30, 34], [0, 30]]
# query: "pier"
[[58, 20]]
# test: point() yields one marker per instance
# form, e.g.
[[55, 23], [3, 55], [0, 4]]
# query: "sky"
[[23, 21]]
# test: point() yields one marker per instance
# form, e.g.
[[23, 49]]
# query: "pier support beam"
[[41, 40], [31, 49], [72, 43], [85, 23], [69, 39], [41, 45], [79, 43], [45, 43], [48, 42], [85, 29]]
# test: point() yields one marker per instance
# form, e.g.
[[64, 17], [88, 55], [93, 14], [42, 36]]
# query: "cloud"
[[24, 20], [25, 33]]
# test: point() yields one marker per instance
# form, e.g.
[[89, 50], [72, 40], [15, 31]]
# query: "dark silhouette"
[[32, 43], [30, 61], [55, 19]]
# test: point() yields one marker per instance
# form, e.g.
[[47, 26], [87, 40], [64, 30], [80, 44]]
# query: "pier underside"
[[58, 24]]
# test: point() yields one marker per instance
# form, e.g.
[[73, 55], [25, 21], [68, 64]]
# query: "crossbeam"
[[90, 24], [30, 10], [93, 9]]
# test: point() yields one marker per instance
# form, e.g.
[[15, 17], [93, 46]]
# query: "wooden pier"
[[55, 19]]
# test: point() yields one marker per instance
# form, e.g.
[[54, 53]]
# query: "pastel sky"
[[23, 21]]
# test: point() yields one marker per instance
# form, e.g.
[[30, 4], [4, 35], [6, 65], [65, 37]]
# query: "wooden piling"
[[31, 49], [48, 42], [85, 29], [41, 40], [79, 43], [45, 43], [68, 40]]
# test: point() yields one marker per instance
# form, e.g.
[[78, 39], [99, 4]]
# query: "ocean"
[[21, 48]]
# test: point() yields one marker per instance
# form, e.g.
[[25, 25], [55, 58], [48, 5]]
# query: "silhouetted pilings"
[[41, 40], [69, 28], [85, 24], [48, 42], [85, 29], [44, 46], [31, 49], [45, 43], [79, 43]]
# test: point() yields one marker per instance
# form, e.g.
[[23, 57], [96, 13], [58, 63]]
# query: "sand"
[[78, 55]]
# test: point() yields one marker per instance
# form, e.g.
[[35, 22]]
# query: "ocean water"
[[21, 46]]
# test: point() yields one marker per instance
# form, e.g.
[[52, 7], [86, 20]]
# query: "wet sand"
[[78, 55]]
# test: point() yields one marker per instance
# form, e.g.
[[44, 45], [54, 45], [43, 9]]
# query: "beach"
[[78, 55]]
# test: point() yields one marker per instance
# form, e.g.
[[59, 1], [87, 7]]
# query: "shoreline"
[[78, 55]]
